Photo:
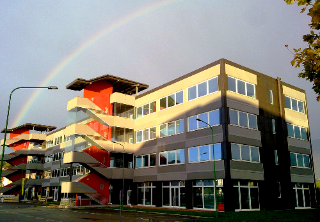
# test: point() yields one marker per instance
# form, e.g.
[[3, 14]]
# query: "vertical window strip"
[[204, 88], [271, 96], [273, 126]]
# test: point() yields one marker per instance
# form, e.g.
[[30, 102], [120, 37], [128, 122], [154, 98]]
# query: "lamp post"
[[121, 193], [5, 131], [214, 168]]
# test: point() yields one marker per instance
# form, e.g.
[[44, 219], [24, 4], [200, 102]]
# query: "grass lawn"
[[309, 215]]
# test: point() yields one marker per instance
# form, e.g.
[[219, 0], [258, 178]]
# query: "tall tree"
[[309, 58]]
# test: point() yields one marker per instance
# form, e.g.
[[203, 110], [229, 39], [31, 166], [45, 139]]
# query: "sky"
[[53, 42]]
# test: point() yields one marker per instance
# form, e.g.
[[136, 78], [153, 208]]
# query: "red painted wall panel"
[[18, 160], [101, 155], [97, 183], [17, 176], [18, 132], [20, 145]]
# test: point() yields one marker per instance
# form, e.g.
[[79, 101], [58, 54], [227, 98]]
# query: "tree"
[[309, 58]]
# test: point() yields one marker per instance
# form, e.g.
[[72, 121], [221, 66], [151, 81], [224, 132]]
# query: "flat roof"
[[120, 85], [31, 126]]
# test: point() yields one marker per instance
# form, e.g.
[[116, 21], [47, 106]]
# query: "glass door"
[[175, 196]]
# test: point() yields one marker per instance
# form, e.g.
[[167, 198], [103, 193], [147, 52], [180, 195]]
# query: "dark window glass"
[[244, 198], [233, 117], [297, 132], [235, 151], [153, 107], [180, 156], [152, 159], [231, 84], [307, 198], [138, 161], [192, 93], [288, 102], [217, 151], [254, 198], [300, 160], [172, 157], [163, 158], [241, 87], [245, 153], [276, 157], [304, 133], [193, 154], [301, 107], [290, 130], [171, 100], [192, 123], [293, 159], [204, 153], [163, 103], [243, 117], [294, 104], [202, 89], [213, 85], [214, 117], [146, 109], [306, 161], [250, 90], [146, 161], [203, 117], [208, 197], [254, 154], [252, 121], [179, 97]]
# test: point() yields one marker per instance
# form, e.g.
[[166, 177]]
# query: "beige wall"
[[241, 74]]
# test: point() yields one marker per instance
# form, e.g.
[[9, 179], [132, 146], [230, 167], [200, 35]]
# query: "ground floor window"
[[246, 195], [302, 195], [146, 193], [203, 193], [174, 194]]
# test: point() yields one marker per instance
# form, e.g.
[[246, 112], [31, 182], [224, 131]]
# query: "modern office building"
[[158, 146]]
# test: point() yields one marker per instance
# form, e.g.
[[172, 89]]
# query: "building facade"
[[158, 147]]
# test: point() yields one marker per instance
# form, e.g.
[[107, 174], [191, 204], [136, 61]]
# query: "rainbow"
[[85, 45]]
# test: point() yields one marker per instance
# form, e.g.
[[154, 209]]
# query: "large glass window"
[[171, 100], [246, 195], [146, 134], [300, 160], [245, 153], [172, 128], [146, 193], [242, 87], [298, 132], [294, 104], [205, 153], [146, 109], [174, 194], [243, 119], [147, 160], [203, 88], [212, 118], [204, 194], [172, 157], [302, 195]]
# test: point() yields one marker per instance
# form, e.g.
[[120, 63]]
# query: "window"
[[146, 134], [204, 193], [246, 195], [172, 157], [171, 100], [245, 153], [271, 96], [145, 160], [212, 117], [174, 194], [297, 132], [146, 193], [172, 128], [146, 109], [205, 153], [243, 119], [276, 157], [241, 87], [302, 195], [202, 89], [294, 104], [300, 160], [273, 121]]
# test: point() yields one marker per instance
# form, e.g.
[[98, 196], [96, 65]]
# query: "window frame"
[[248, 120], [303, 160], [207, 86], [149, 134], [167, 100], [210, 153], [198, 122], [167, 128], [250, 153], [142, 114], [176, 157], [291, 106], [142, 161], [300, 129], [246, 88]]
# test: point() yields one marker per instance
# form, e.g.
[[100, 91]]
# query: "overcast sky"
[[54, 42]]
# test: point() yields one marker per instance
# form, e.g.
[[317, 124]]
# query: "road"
[[18, 212]]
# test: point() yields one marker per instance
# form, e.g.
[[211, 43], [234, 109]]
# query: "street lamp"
[[214, 168], [121, 193], [5, 131]]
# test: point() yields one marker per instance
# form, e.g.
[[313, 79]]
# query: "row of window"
[[146, 134], [243, 119], [65, 172], [199, 154], [241, 87], [212, 118], [300, 160], [172, 128], [171, 100], [54, 157], [57, 141], [294, 104], [203, 88], [298, 132]]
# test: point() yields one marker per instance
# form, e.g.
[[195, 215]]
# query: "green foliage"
[[6, 165], [309, 58]]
